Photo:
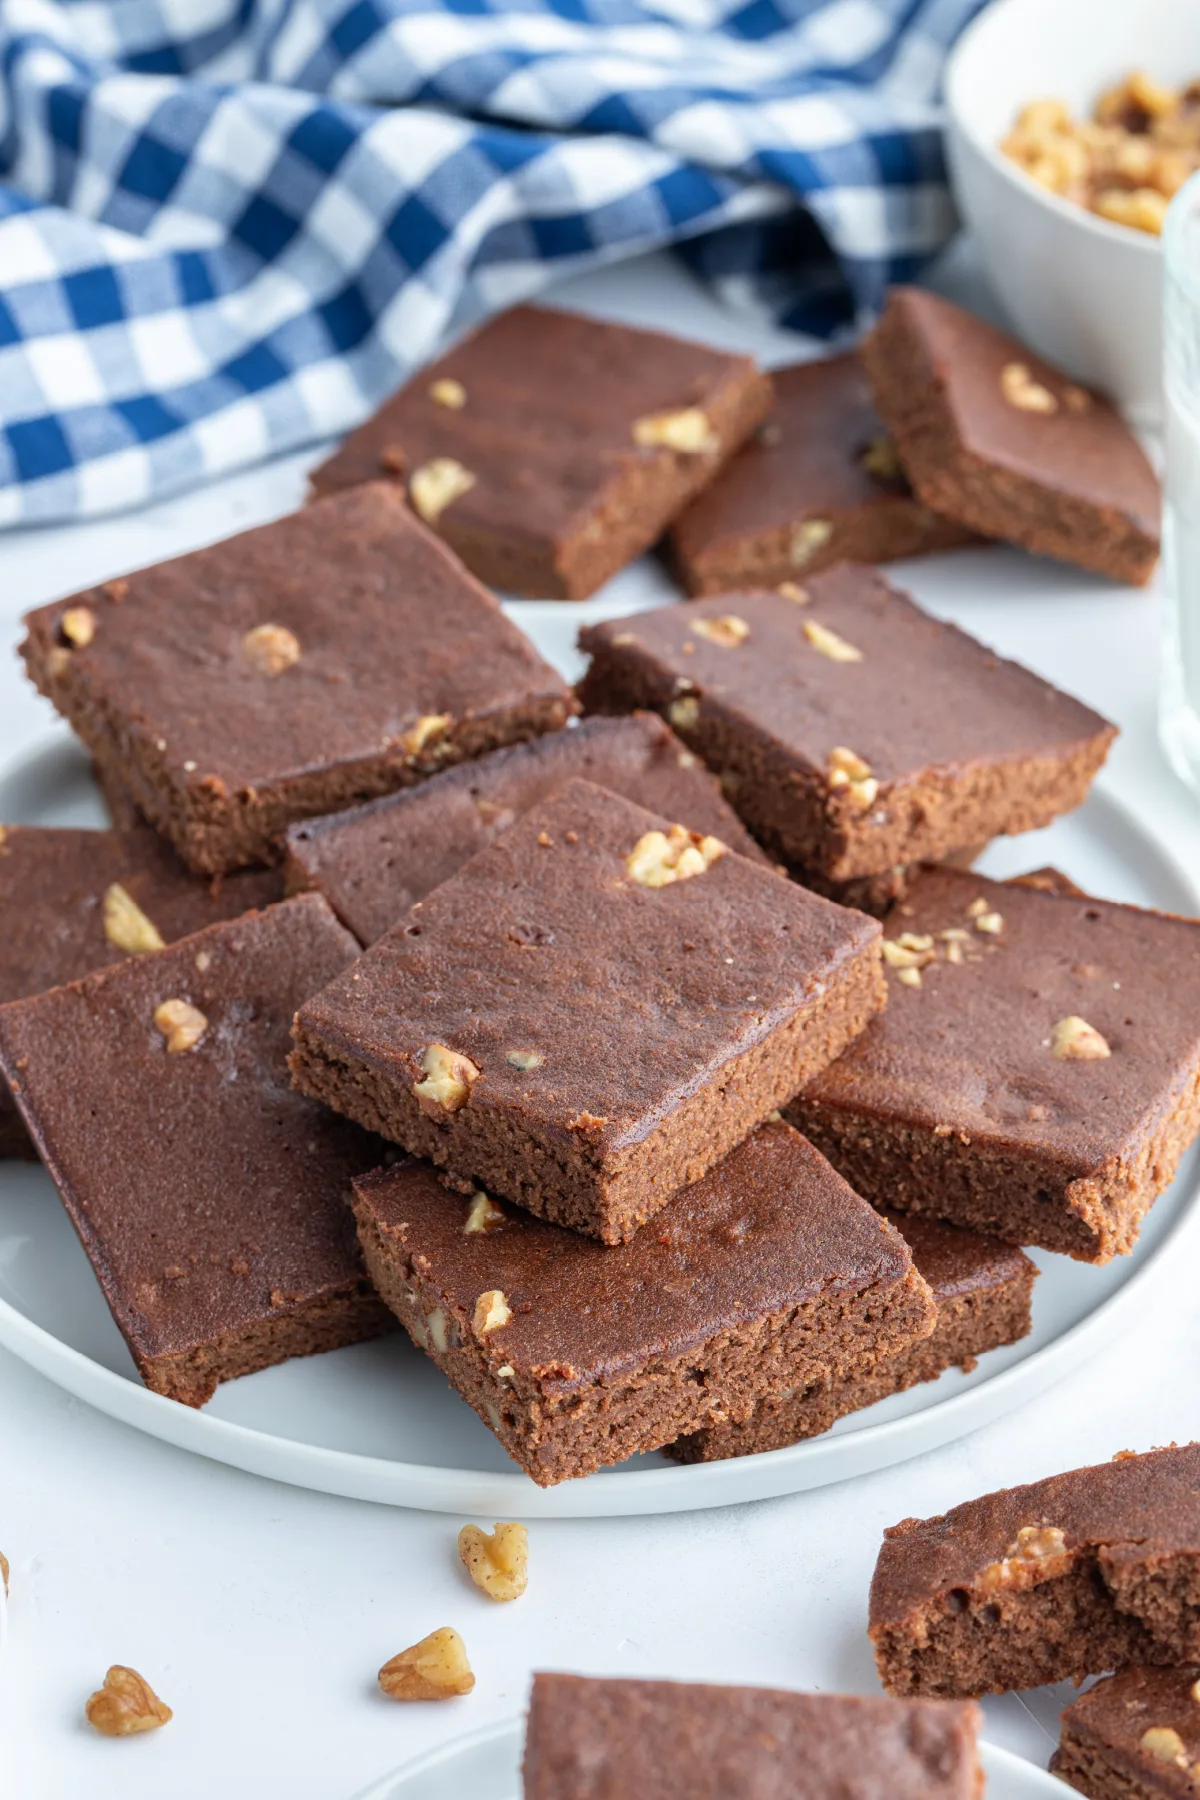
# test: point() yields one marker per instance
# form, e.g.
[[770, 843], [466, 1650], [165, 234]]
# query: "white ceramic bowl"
[[1084, 293]]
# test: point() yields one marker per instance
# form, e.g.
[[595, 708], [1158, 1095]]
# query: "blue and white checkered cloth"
[[229, 227]]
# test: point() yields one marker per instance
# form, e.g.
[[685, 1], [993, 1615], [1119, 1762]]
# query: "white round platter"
[[378, 1422], [487, 1766]]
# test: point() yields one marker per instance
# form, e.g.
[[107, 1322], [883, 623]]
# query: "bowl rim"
[[1140, 243]]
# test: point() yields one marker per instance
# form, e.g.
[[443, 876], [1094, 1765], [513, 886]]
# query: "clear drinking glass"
[[1179, 718]]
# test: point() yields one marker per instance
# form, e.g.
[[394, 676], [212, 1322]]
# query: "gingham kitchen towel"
[[229, 227]]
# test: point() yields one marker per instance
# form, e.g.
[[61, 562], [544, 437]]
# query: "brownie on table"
[[851, 731], [212, 1200], [1036, 1073], [592, 1012], [549, 449], [376, 861], [768, 1271], [819, 483], [595, 1739], [991, 435], [982, 1290], [71, 901], [304, 666], [1073, 1576], [1134, 1736]]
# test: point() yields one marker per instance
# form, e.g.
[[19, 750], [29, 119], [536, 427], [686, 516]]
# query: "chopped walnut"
[[687, 431], [1165, 1745], [79, 626], [125, 1704], [492, 1312], [447, 1080], [116, 591], [788, 590], [484, 1214], [990, 923], [271, 649], [524, 1059], [828, 643], [181, 1024], [1144, 209], [125, 924], [1040, 1551], [1022, 391], [911, 976], [436, 485], [435, 1669], [1073, 1040], [882, 459], [848, 772], [497, 1561], [449, 393], [428, 728], [977, 906], [660, 858], [807, 539], [684, 713], [728, 630]]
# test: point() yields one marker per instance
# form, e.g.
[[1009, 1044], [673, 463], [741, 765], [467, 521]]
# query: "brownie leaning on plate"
[[211, 1198], [1036, 1073], [337, 654], [592, 1012], [72, 901], [768, 1272]]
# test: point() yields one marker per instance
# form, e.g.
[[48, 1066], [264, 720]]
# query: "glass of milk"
[[1179, 718]]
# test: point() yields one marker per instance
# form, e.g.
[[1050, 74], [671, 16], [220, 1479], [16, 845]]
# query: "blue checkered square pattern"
[[230, 227]]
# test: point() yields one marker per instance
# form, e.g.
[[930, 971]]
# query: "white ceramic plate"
[[378, 1422], [487, 1766]]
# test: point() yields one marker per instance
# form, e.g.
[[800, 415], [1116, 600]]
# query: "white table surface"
[[261, 1613]]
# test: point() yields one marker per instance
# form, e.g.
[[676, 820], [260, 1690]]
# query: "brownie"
[[818, 484], [994, 437], [1073, 1576], [212, 1200], [982, 1289], [1134, 1736], [1036, 1073], [374, 862], [592, 1012], [71, 901], [767, 1271], [123, 814], [598, 1739], [302, 667], [550, 449], [853, 731]]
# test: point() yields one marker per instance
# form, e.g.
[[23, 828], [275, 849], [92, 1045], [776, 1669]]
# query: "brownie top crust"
[[974, 1049], [204, 1188], [1134, 1506], [547, 404], [808, 458], [373, 862], [1078, 445], [658, 1740], [57, 924], [956, 1262], [1115, 1715], [921, 695], [579, 993], [383, 631], [770, 1227]]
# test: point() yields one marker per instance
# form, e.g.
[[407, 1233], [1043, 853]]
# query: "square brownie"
[[72, 901], [212, 1200], [660, 1740], [1036, 1074], [991, 435], [851, 730], [1068, 1577], [592, 1012], [376, 861], [549, 449], [768, 1271], [982, 1290], [301, 667], [819, 483], [1134, 1736]]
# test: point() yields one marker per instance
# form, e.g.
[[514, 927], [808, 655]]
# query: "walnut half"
[[435, 1669], [447, 1080], [497, 1562], [126, 1704]]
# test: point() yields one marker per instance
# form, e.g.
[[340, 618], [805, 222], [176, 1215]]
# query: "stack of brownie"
[[525, 1056], [1091, 1573]]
